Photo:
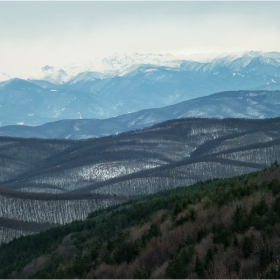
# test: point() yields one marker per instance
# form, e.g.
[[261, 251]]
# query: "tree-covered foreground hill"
[[221, 228]]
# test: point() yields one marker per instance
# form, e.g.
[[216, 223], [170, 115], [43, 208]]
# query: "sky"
[[34, 34]]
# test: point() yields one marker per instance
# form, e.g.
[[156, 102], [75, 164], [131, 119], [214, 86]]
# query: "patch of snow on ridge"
[[48, 73], [151, 70], [76, 128], [87, 76], [254, 112], [123, 61], [95, 173]]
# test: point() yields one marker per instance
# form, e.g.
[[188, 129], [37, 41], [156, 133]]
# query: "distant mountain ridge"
[[113, 65], [232, 104], [120, 64], [133, 84]]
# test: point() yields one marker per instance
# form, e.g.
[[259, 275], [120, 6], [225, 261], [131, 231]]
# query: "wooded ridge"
[[221, 228], [59, 181]]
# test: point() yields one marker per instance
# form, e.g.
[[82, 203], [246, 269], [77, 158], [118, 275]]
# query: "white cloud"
[[37, 33]]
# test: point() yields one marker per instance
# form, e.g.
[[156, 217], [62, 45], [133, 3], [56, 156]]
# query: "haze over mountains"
[[133, 83], [231, 104]]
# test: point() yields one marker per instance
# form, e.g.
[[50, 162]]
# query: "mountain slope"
[[151, 86], [24, 102], [232, 104], [217, 229], [58, 181]]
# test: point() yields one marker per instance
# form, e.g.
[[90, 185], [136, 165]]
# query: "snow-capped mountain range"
[[116, 64], [122, 64], [129, 84]]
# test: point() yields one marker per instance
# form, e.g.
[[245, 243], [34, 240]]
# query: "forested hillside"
[[226, 228], [44, 183]]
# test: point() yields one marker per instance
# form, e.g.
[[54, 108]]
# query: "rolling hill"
[[59, 181]]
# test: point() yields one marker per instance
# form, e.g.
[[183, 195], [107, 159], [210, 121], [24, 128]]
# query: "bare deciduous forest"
[[59, 181]]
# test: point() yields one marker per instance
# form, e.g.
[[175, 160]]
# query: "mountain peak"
[[47, 68], [120, 64]]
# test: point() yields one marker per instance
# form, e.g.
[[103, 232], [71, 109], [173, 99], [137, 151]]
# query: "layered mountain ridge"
[[59, 181], [152, 81], [231, 104], [202, 120]]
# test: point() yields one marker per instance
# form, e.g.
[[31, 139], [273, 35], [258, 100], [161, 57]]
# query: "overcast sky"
[[33, 34]]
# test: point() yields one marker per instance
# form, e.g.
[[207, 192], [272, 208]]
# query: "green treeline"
[[228, 228]]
